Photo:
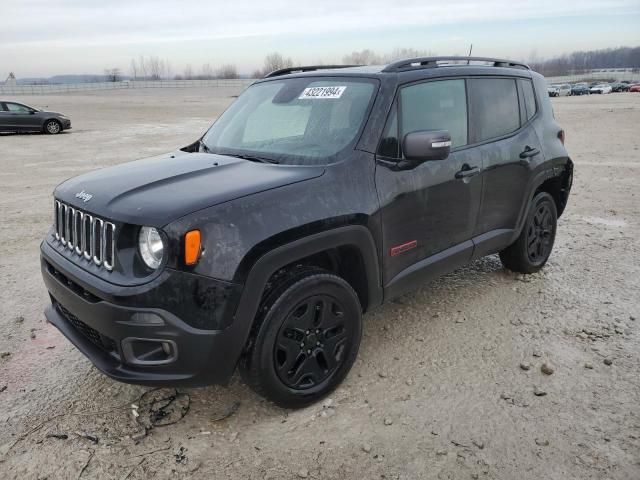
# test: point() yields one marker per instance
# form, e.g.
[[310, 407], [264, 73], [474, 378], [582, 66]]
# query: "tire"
[[52, 127], [531, 250], [305, 340]]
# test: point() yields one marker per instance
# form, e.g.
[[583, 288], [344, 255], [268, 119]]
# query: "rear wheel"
[[531, 250], [306, 340], [52, 127]]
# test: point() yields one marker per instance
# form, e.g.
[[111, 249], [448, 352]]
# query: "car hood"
[[157, 190], [47, 112]]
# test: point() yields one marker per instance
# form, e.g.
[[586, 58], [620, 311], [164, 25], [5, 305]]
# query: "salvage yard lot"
[[444, 383]]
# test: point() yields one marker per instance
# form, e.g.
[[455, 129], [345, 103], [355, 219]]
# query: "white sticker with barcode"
[[322, 92]]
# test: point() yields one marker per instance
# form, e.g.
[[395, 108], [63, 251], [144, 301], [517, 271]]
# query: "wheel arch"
[[556, 179], [48, 119], [558, 184], [260, 271], [326, 249]]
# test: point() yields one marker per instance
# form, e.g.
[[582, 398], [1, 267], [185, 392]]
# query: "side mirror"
[[425, 145], [32, 112]]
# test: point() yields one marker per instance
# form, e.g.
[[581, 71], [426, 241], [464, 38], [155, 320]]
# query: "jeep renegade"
[[318, 194]]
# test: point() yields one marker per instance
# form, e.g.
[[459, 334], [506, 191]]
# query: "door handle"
[[467, 171], [529, 152]]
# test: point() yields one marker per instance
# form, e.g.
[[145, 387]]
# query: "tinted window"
[[16, 107], [529, 98], [439, 105], [494, 107], [389, 146]]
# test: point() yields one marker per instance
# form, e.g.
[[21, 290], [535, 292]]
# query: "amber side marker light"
[[192, 247]]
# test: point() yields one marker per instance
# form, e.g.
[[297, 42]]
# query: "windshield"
[[305, 121]]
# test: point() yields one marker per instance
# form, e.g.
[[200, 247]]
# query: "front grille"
[[86, 235], [99, 340]]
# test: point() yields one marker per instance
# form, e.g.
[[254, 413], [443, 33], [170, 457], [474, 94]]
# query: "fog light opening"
[[143, 351]]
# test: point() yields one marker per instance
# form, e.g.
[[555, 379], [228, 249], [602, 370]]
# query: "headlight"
[[151, 246]]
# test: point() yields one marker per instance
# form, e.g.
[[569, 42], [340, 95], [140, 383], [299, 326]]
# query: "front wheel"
[[52, 127], [307, 338], [531, 250]]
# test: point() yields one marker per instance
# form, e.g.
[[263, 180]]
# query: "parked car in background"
[[553, 91], [635, 88], [619, 87], [601, 88], [564, 90], [18, 117], [580, 89]]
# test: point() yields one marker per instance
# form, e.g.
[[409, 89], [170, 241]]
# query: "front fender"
[[279, 257]]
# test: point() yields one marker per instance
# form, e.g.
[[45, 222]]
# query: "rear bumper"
[[120, 339]]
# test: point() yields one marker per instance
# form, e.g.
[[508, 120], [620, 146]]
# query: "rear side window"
[[437, 105], [494, 106], [529, 98]]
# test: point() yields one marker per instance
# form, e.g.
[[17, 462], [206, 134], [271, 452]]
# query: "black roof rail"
[[428, 62], [309, 68]]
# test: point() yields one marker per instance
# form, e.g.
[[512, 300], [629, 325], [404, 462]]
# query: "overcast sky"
[[48, 37]]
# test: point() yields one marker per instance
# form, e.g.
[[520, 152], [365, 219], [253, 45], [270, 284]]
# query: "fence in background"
[[595, 76], [87, 87]]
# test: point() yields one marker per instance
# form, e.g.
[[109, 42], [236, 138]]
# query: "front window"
[[16, 107], [305, 121]]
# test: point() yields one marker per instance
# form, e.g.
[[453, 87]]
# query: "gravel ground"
[[449, 380]]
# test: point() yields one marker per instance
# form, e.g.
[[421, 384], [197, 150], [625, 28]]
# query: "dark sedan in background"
[[17, 117], [580, 89], [619, 87]]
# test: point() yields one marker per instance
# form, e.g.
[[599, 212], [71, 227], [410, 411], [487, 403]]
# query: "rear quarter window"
[[494, 107], [529, 98]]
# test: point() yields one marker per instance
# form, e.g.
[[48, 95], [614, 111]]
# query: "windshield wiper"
[[204, 147], [244, 156], [252, 158]]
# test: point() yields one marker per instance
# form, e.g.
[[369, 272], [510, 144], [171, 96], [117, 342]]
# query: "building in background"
[[11, 79]]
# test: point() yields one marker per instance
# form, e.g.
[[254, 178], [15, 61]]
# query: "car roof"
[[423, 67]]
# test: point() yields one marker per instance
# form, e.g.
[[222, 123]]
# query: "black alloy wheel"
[[311, 342], [306, 337], [540, 233], [532, 248]]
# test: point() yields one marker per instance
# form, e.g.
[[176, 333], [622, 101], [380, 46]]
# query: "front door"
[[20, 116], [428, 210]]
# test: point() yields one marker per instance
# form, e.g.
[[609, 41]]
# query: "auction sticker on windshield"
[[322, 92]]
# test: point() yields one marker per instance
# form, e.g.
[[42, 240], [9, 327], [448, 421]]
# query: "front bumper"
[[66, 124], [118, 337]]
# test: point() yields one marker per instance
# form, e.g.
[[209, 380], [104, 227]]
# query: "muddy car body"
[[318, 195]]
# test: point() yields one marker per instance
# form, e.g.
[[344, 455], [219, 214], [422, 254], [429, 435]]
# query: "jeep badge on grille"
[[84, 196]]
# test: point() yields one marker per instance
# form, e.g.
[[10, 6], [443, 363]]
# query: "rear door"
[[501, 112], [5, 118]]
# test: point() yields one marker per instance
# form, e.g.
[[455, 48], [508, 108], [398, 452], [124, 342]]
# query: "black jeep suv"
[[319, 193]]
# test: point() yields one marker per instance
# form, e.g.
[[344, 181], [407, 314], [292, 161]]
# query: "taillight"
[[561, 136]]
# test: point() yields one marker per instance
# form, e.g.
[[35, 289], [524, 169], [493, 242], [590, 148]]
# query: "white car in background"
[[601, 88], [564, 90], [553, 91]]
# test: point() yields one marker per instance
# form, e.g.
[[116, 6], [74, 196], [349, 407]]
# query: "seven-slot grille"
[[88, 236]]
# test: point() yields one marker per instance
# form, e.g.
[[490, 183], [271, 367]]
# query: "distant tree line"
[[154, 68], [369, 57], [581, 62]]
